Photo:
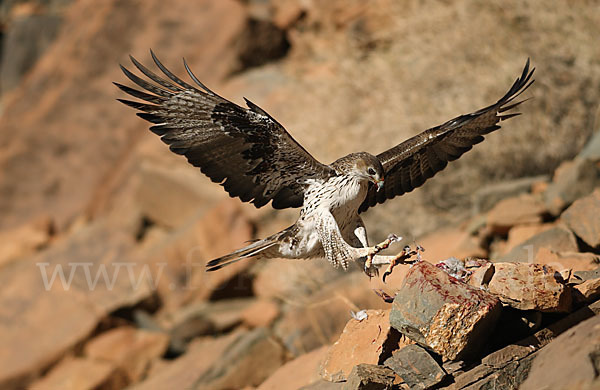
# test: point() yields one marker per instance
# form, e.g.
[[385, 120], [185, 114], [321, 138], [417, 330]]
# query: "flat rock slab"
[[588, 291], [44, 318], [368, 341], [370, 377], [570, 361], [241, 358], [572, 180], [556, 239], [129, 349], [583, 218], [249, 360], [530, 287], [442, 313], [416, 367], [302, 371], [320, 318], [81, 374], [518, 210]]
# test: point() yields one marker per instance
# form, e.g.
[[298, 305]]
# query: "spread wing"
[[409, 164], [245, 150]]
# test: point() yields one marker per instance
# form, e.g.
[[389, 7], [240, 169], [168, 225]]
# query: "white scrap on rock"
[[359, 315]]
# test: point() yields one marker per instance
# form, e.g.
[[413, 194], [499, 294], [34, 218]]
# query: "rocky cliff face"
[[84, 182]]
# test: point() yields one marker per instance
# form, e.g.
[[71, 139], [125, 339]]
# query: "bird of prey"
[[254, 158]]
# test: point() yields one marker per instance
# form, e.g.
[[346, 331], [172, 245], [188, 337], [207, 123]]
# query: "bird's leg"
[[403, 258], [361, 233], [372, 251]]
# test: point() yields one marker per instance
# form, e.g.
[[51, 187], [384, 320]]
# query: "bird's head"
[[369, 167]]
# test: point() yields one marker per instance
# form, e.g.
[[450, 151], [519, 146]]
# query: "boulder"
[[283, 278], [370, 340], [562, 261], [369, 377], [572, 180], [583, 218], [239, 359], [442, 313], [203, 318], [170, 195], [322, 384], [24, 240], [182, 255], [519, 210], [557, 239], [578, 349], [56, 298], [81, 374], [530, 287], [69, 172], [128, 349], [508, 367], [184, 372], [588, 291], [521, 233], [296, 373], [319, 319], [248, 361], [489, 195], [262, 312], [416, 367]]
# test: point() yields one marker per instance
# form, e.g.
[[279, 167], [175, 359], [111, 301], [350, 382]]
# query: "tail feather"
[[248, 251]]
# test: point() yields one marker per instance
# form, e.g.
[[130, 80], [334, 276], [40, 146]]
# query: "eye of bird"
[[371, 171]]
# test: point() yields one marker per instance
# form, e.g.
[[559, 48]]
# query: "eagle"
[[254, 158]]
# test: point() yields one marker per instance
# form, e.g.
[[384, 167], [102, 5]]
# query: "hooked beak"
[[379, 183]]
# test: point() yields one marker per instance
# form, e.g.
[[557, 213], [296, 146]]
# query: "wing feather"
[[409, 164], [245, 150]]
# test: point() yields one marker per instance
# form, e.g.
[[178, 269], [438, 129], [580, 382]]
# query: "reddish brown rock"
[[299, 372], [557, 239], [521, 233], [183, 255], [369, 377], [319, 319], [287, 12], [226, 362], [443, 314], [170, 195], [523, 209], [530, 287], [416, 367], [368, 341], [47, 323], [35, 179], [481, 275], [562, 261], [203, 318], [184, 372], [583, 218], [128, 349], [81, 374], [238, 366], [260, 313], [569, 361], [283, 279], [572, 180], [489, 194], [322, 384], [588, 291], [24, 240]]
